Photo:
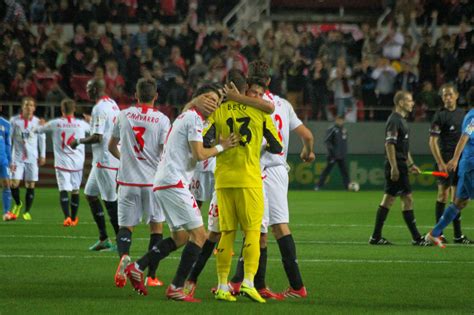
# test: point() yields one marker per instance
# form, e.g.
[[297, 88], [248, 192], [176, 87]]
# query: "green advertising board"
[[367, 170]]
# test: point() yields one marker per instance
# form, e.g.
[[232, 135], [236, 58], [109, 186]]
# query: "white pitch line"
[[340, 261], [59, 224]]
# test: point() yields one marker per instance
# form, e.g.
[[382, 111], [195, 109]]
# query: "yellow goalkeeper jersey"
[[240, 166]]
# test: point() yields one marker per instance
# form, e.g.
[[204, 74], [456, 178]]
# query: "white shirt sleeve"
[[99, 119], [195, 128], [42, 145], [116, 128], [86, 126], [165, 127], [46, 128], [293, 119]]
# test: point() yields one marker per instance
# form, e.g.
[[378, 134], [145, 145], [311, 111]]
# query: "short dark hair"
[[259, 68], [146, 90], [257, 81], [448, 86], [238, 78], [206, 88], [68, 105], [399, 96]]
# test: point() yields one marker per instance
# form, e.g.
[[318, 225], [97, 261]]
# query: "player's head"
[[339, 120], [146, 91], [212, 93], [28, 106], [256, 87], [95, 88], [238, 78], [449, 94], [68, 107], [403, 101], [260, 69]]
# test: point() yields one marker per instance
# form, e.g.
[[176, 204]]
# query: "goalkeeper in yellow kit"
[[239, 186]]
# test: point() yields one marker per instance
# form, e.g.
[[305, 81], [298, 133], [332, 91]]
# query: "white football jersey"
[[63, 131], [104, 114], [177, 165], [285, 120], [208, 165], [141, 131], [25, 142]]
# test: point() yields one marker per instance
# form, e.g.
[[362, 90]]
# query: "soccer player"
[[141, 131], [183, 147], [239, 187], [465, 166], [235, 79], [103, 174], [397, 166], [68, 163], [5, 160], [276, 182], [336, 143], [444, 135], [28, 152]]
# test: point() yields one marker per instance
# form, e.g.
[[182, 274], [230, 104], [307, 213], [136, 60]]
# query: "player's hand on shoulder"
[[41, 161], [415, 169], [229, 142], [394, 174]]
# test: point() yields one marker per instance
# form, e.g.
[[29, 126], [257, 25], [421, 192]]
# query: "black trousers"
[[342, 168]]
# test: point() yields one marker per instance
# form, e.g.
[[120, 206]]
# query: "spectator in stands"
[[161, 51], [463, 44], [132, 69], [185, 41], [114, 82], [341, 84], [320, 94], [197, 72], [154, 33], [15, 13], [252, 50], [366, 83], [406, 80], [333, 49], [55, 94], [463, 83], [177, 60], [384, 75], [391, 42], [427, 101], [38, 11], [140, 39]]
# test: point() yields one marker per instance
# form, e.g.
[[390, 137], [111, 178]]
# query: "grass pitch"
[[46, 268]]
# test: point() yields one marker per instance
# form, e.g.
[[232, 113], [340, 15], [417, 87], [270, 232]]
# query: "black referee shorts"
[[402, 185]]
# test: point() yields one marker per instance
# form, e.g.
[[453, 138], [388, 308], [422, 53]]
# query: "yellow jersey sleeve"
[[274, 144]]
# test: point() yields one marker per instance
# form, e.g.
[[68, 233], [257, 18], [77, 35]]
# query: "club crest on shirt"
[[452, 128]]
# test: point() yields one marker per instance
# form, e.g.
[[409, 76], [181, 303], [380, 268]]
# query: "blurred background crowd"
[[323, 69]]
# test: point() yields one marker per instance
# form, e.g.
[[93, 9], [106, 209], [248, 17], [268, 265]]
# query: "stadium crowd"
[[324, 70]]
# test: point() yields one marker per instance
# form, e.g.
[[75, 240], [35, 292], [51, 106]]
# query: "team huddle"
[[229, 146]]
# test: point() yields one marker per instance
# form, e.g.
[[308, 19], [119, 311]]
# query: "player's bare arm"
[[434, 147], [233, 94], [200, 153], [95, 138], [307, 154], [412, 166], [394, 173], [113, 147], [453, 163]]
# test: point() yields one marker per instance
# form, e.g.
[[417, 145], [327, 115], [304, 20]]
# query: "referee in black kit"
[[336, 144], [397, 166], [445, 132]]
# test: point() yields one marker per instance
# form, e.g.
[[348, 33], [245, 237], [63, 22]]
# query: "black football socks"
[[206, 252], [124, 241], [157, 253], [98, 214], [112, 210], [379, 222], [155, 238], [189, 257], [290, 263], [74, 205], [64, 201], [409, 217], [29, 197]]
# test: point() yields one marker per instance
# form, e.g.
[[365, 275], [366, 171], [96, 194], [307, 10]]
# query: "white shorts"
[[25, 171], [180, 208], [68, 181], [102, 181], [202, 185], [134, 202], [276, 189], [213, 215]]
